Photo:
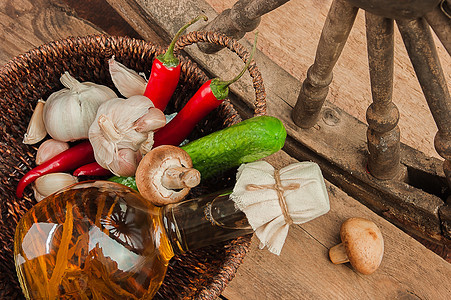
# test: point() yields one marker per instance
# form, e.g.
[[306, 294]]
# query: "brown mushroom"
[[361, 245], [165, 175]]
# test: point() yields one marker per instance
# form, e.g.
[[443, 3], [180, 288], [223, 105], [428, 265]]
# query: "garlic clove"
[[50, 149], [147, 145], [51, 183], [152, 120], [109, 131], [36, 128], [37, 196], [126, 162], [127, 81]]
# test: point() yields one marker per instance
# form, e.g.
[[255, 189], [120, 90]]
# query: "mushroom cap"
[[150, 172], [364, 244]]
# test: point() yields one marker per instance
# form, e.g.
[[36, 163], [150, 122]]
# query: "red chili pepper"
[[209, 96], [70, 159], [165, 72], [92, 169]]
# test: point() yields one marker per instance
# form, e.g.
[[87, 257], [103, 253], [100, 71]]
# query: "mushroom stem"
[[337, 254], [178, 177]]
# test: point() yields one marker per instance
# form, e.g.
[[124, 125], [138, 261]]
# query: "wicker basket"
[[201, 274]]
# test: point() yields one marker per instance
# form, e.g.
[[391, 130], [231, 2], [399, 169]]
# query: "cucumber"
[[247, 141], [127, 181]]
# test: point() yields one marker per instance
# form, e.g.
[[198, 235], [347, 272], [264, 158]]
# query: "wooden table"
[[303, 270]]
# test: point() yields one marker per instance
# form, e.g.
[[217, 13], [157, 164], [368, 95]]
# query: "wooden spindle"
[[315, 87], [441, 24], [382, 115], [420, 46], [244, 16]]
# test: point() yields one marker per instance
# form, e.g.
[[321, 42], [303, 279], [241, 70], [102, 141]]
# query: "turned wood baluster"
[[420, 46], [244, 16], [315, 87], [441, 24], [382, 115]]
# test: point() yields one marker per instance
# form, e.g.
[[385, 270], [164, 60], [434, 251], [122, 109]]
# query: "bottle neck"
[[204, 221]]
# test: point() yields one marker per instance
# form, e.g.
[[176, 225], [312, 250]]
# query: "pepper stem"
[[168, 58], [220, 88]]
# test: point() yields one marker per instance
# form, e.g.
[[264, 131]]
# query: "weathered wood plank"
[[26, 24], [101, 14]]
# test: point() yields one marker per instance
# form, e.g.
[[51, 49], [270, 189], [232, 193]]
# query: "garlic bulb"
[[51, 183], [68, 113], [49, 149], [124, 124], [127, 81], [36, 128]]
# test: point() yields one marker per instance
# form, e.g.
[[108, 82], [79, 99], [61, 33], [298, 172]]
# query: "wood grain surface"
[[26, 24]]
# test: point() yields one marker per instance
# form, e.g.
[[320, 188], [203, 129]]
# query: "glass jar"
[[102, 240]]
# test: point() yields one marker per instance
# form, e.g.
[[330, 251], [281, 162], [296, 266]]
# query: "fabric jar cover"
[[273, 199]]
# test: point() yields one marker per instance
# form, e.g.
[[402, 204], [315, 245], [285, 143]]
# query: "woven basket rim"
[[50, 46], [184, 41]]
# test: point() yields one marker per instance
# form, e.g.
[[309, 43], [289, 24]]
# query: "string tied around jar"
[[275, 199], [280, 189]]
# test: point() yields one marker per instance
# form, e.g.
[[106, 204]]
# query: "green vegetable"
[[127, 181], [245, 142]]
